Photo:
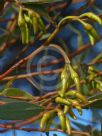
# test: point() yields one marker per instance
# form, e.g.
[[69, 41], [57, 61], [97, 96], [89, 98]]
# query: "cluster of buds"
[[89, 28], [95, 82], [67, 76], [66, 100], [28, 17], [92, 33], [47, 118]]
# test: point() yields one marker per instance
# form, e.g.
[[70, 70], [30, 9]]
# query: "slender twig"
[[32, 74], [95, 62], [78, 52], [29, 121], [87, 5], [60, 6], [32, 54], [52, 129], [57, 62], [38, 50], [10, 28]]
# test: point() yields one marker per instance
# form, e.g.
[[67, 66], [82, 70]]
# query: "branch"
[[84, 7], [52, 129], [83, 48], [32, 74], [38, 50]]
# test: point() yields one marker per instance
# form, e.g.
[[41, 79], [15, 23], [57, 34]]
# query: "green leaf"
[[95, 104], [95, 97], [16, 92], [19, 110], [8, 100]]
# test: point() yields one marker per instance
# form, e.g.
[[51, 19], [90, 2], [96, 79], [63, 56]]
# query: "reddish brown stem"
[[79, 51]]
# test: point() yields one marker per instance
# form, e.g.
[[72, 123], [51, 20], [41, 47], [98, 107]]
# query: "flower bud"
[[27, 18], [62, 119], [62, 101], [68, 126], [70, 112], [76, 94], [35, 25], [47, 117], [79, 110], [75, 77], [92, 16]]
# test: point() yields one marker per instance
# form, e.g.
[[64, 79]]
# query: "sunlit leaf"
[[16, 93]]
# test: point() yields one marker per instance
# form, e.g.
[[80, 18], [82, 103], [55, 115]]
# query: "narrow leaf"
[[16, 93], [95, 104], [19, 110]]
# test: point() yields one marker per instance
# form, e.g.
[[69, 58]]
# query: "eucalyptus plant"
[[32, 21]]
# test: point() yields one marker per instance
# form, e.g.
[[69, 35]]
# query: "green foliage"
[[15, 92], [96, 104], [19, 110]]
